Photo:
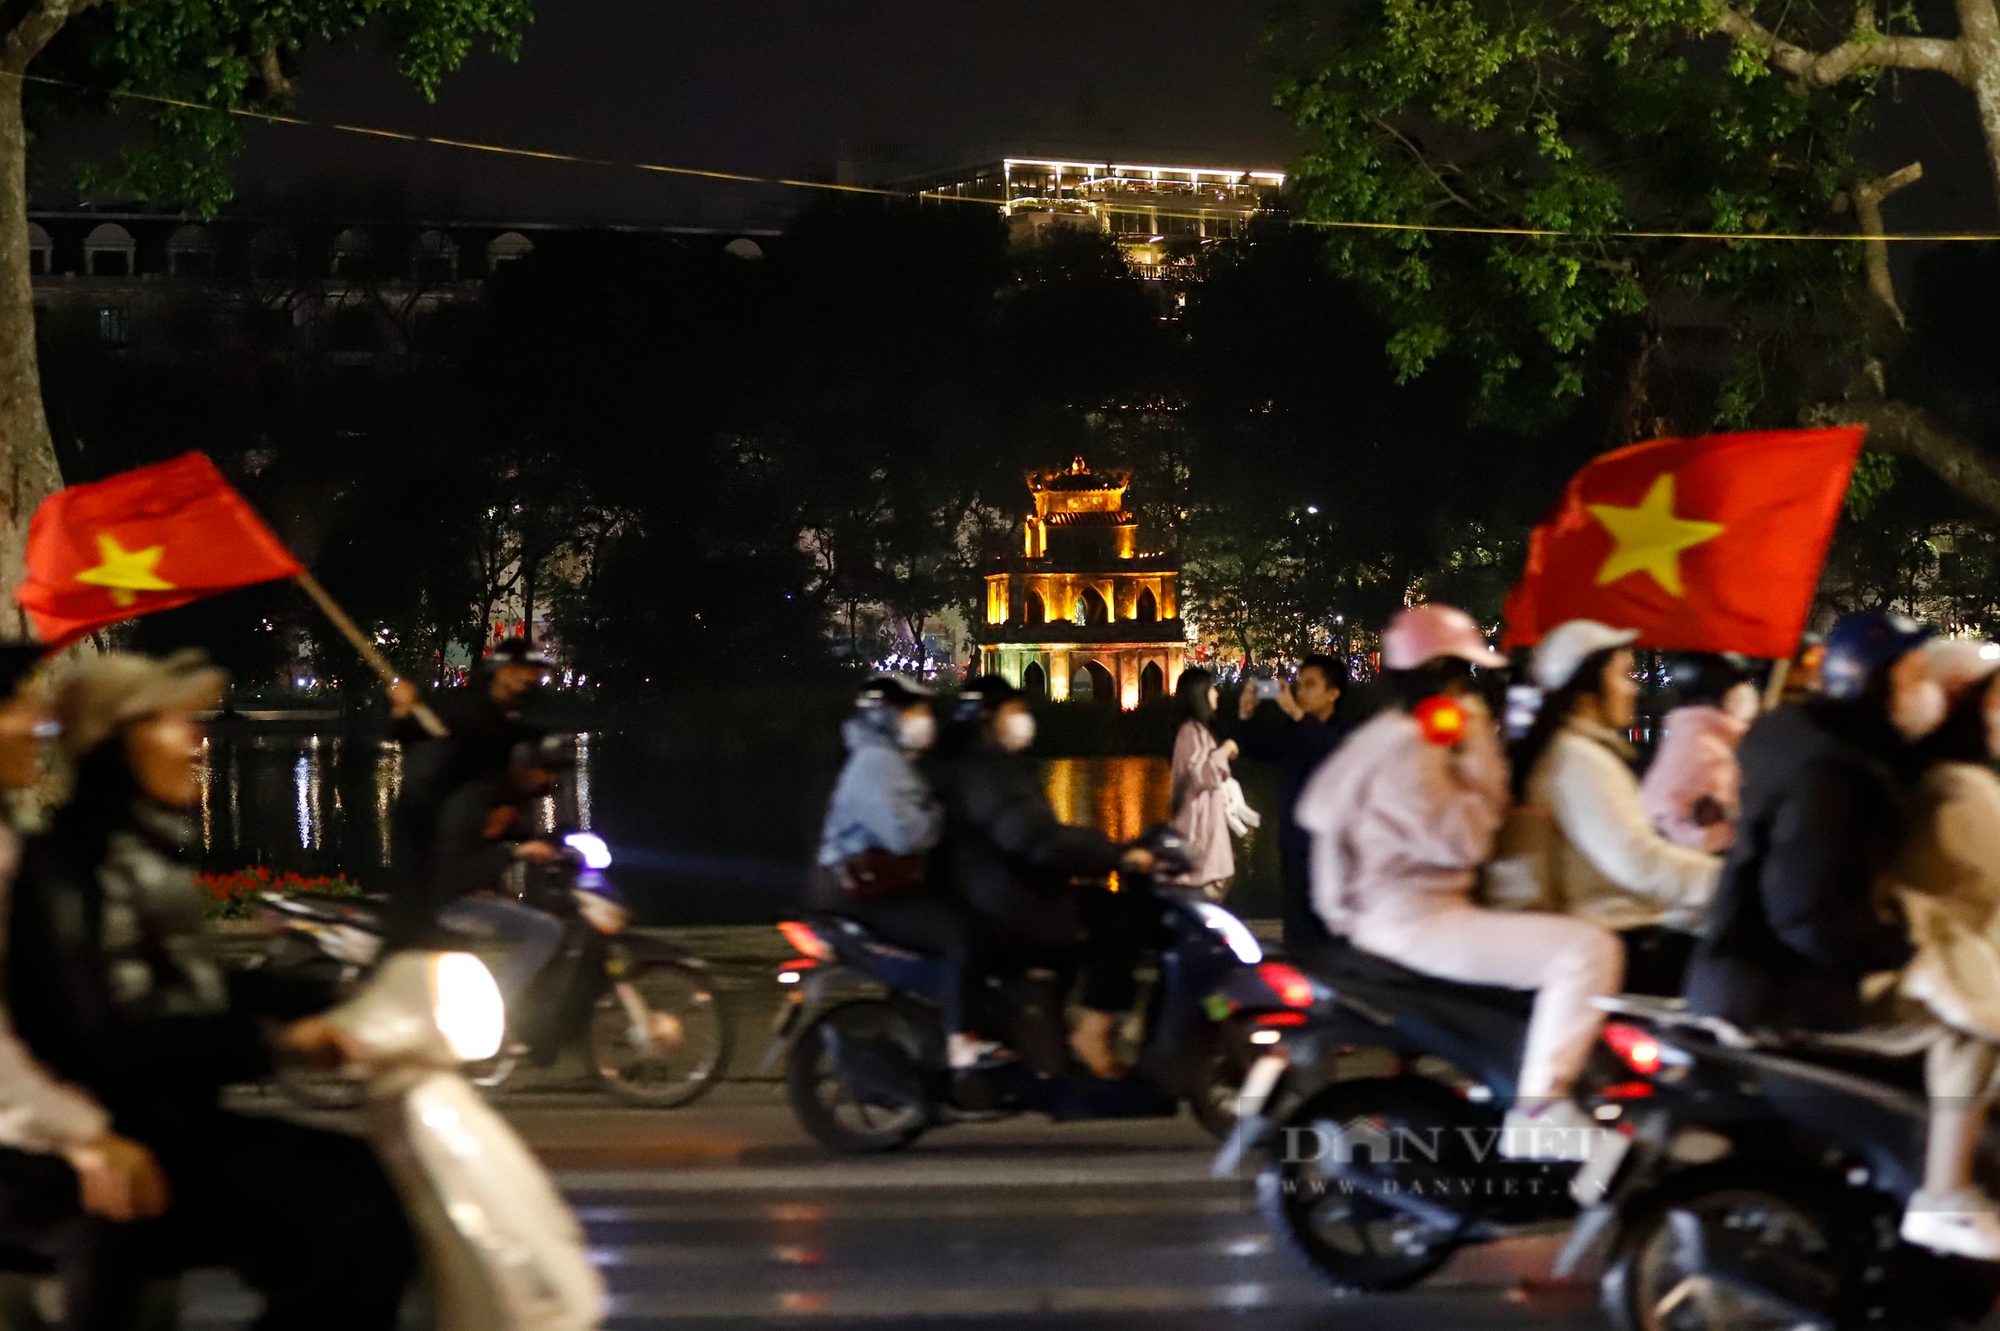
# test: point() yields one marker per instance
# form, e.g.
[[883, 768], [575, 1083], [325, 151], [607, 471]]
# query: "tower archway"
[[1096, 610], [1093, 683], [1035, 680], [1152, 682], [1147, 608], [1034, 610]]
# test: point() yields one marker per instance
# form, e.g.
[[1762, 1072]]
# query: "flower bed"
[[233, 895]]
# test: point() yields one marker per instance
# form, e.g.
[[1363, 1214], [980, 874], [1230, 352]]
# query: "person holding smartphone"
[[1294, 726]]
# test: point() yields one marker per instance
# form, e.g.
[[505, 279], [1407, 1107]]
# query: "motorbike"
[[1374, 1123], [1794, 1221], [501, 1249], [643, 1010], [864, 1049]]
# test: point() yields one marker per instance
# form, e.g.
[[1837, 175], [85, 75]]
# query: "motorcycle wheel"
[[678, 1074], [830, 1104], [1358, 1244], [1652, 1282]]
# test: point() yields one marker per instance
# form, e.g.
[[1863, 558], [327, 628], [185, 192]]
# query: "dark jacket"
[[1795, 923], [442, 778], [1296, 749], [111, 972], [1006, 855]]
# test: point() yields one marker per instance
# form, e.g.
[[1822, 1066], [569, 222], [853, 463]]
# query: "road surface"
[[723, 1215]]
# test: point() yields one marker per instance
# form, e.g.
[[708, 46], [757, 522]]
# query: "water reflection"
[[1122, 797]]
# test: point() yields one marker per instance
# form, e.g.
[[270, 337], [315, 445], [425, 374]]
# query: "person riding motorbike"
[[1402, 815], [1948, 881], [1603, 860], [1011, 862], [458, 794], [881, 825], [1796, 924], [1693, 790], [114, 984], [70, 1185]]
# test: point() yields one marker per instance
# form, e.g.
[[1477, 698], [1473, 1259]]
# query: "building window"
[[41, 251], [191, 253], [108, 251], [272, 254], [434, 258], [114, 327], [353, 254], [507, 247]]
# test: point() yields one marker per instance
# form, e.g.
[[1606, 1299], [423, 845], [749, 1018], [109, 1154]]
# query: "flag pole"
[[1774, 692], [366, 646]]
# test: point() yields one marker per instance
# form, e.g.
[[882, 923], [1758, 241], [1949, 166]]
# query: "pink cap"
[[1426, 632]]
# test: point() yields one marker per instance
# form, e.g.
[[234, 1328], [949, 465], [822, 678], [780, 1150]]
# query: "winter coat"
[[1948, 878], [1795, 923], [881, 801], [1605, 862], [1400, 825], [1201, 805], [1297, 749], [112, 974], [1694, 789], [37, 1112], [1005, 854]]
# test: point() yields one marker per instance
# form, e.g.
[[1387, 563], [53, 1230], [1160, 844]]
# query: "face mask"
[[1918, 709], [916, 732], [1016, 731], [1742, 703]]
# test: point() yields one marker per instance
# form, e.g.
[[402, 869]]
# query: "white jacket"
[[37, 1112], [1607, 863]]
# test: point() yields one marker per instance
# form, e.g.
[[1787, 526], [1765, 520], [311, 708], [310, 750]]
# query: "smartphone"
[[1267, 689]]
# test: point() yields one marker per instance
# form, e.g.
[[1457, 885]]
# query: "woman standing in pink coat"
[[1200, 789]]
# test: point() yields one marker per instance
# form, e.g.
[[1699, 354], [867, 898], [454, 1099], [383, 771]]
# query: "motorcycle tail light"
[[1289, 983], [1272, 1020], [795, 970], [803, 940], [1637, 1049]]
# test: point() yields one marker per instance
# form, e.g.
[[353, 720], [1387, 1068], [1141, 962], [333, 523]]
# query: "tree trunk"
[[1979, 34], [28, 470]]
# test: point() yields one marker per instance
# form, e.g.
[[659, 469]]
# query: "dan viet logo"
[[1438, 1155]]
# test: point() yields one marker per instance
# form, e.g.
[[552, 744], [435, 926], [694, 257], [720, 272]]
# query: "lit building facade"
[[1083, 611], [1146, 208]]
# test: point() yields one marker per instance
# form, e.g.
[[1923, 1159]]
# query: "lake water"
[[719, 836]]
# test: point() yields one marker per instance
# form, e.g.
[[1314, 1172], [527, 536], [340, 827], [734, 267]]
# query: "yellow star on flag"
[[1650, 538], [126, 572]]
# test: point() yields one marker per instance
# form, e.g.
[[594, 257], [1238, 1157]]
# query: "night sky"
[[780, 87], [793, 87]]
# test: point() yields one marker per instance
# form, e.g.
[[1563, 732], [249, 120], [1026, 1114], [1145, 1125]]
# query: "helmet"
[[1862, 646], [982, 695], [1426, 632], [891, 691], [1564, 649]]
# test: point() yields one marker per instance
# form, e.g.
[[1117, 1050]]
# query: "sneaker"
[[1553, 1132], [1965, 1224], [964, 1052]]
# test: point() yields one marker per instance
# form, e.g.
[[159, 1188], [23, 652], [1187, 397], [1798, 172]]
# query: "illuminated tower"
[[1083, 610]]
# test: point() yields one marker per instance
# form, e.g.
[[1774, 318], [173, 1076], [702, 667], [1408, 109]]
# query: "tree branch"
[[1910, 431], [1869, 48], [35, 29], [1867, 197], [271, 69]]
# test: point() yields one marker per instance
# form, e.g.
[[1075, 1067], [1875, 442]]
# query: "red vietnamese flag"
[[142, 541], [1710, 544]]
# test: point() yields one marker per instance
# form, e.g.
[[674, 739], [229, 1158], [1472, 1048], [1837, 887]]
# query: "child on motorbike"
[[1402, 816]]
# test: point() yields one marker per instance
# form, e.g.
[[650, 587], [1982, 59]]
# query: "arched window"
[[1147, 608], [1093, 683], [108, 251], [507, 247], [744, 248], [434, 258], [41, 251], [1095, 610], [273, 254], [1034, 680], [1152, 683], [191, 252], [353, 254], [1034, 610]]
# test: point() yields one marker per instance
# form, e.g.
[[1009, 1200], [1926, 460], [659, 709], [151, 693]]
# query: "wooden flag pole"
[[1774, 692], [366, 646]]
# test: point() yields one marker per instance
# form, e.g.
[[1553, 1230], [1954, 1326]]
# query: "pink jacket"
[[1693, 790], [1201, 806], [1400, 825]]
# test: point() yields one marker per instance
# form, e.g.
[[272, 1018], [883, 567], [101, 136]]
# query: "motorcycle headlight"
[[596, 855], [1234, 932], [466, 1005]]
